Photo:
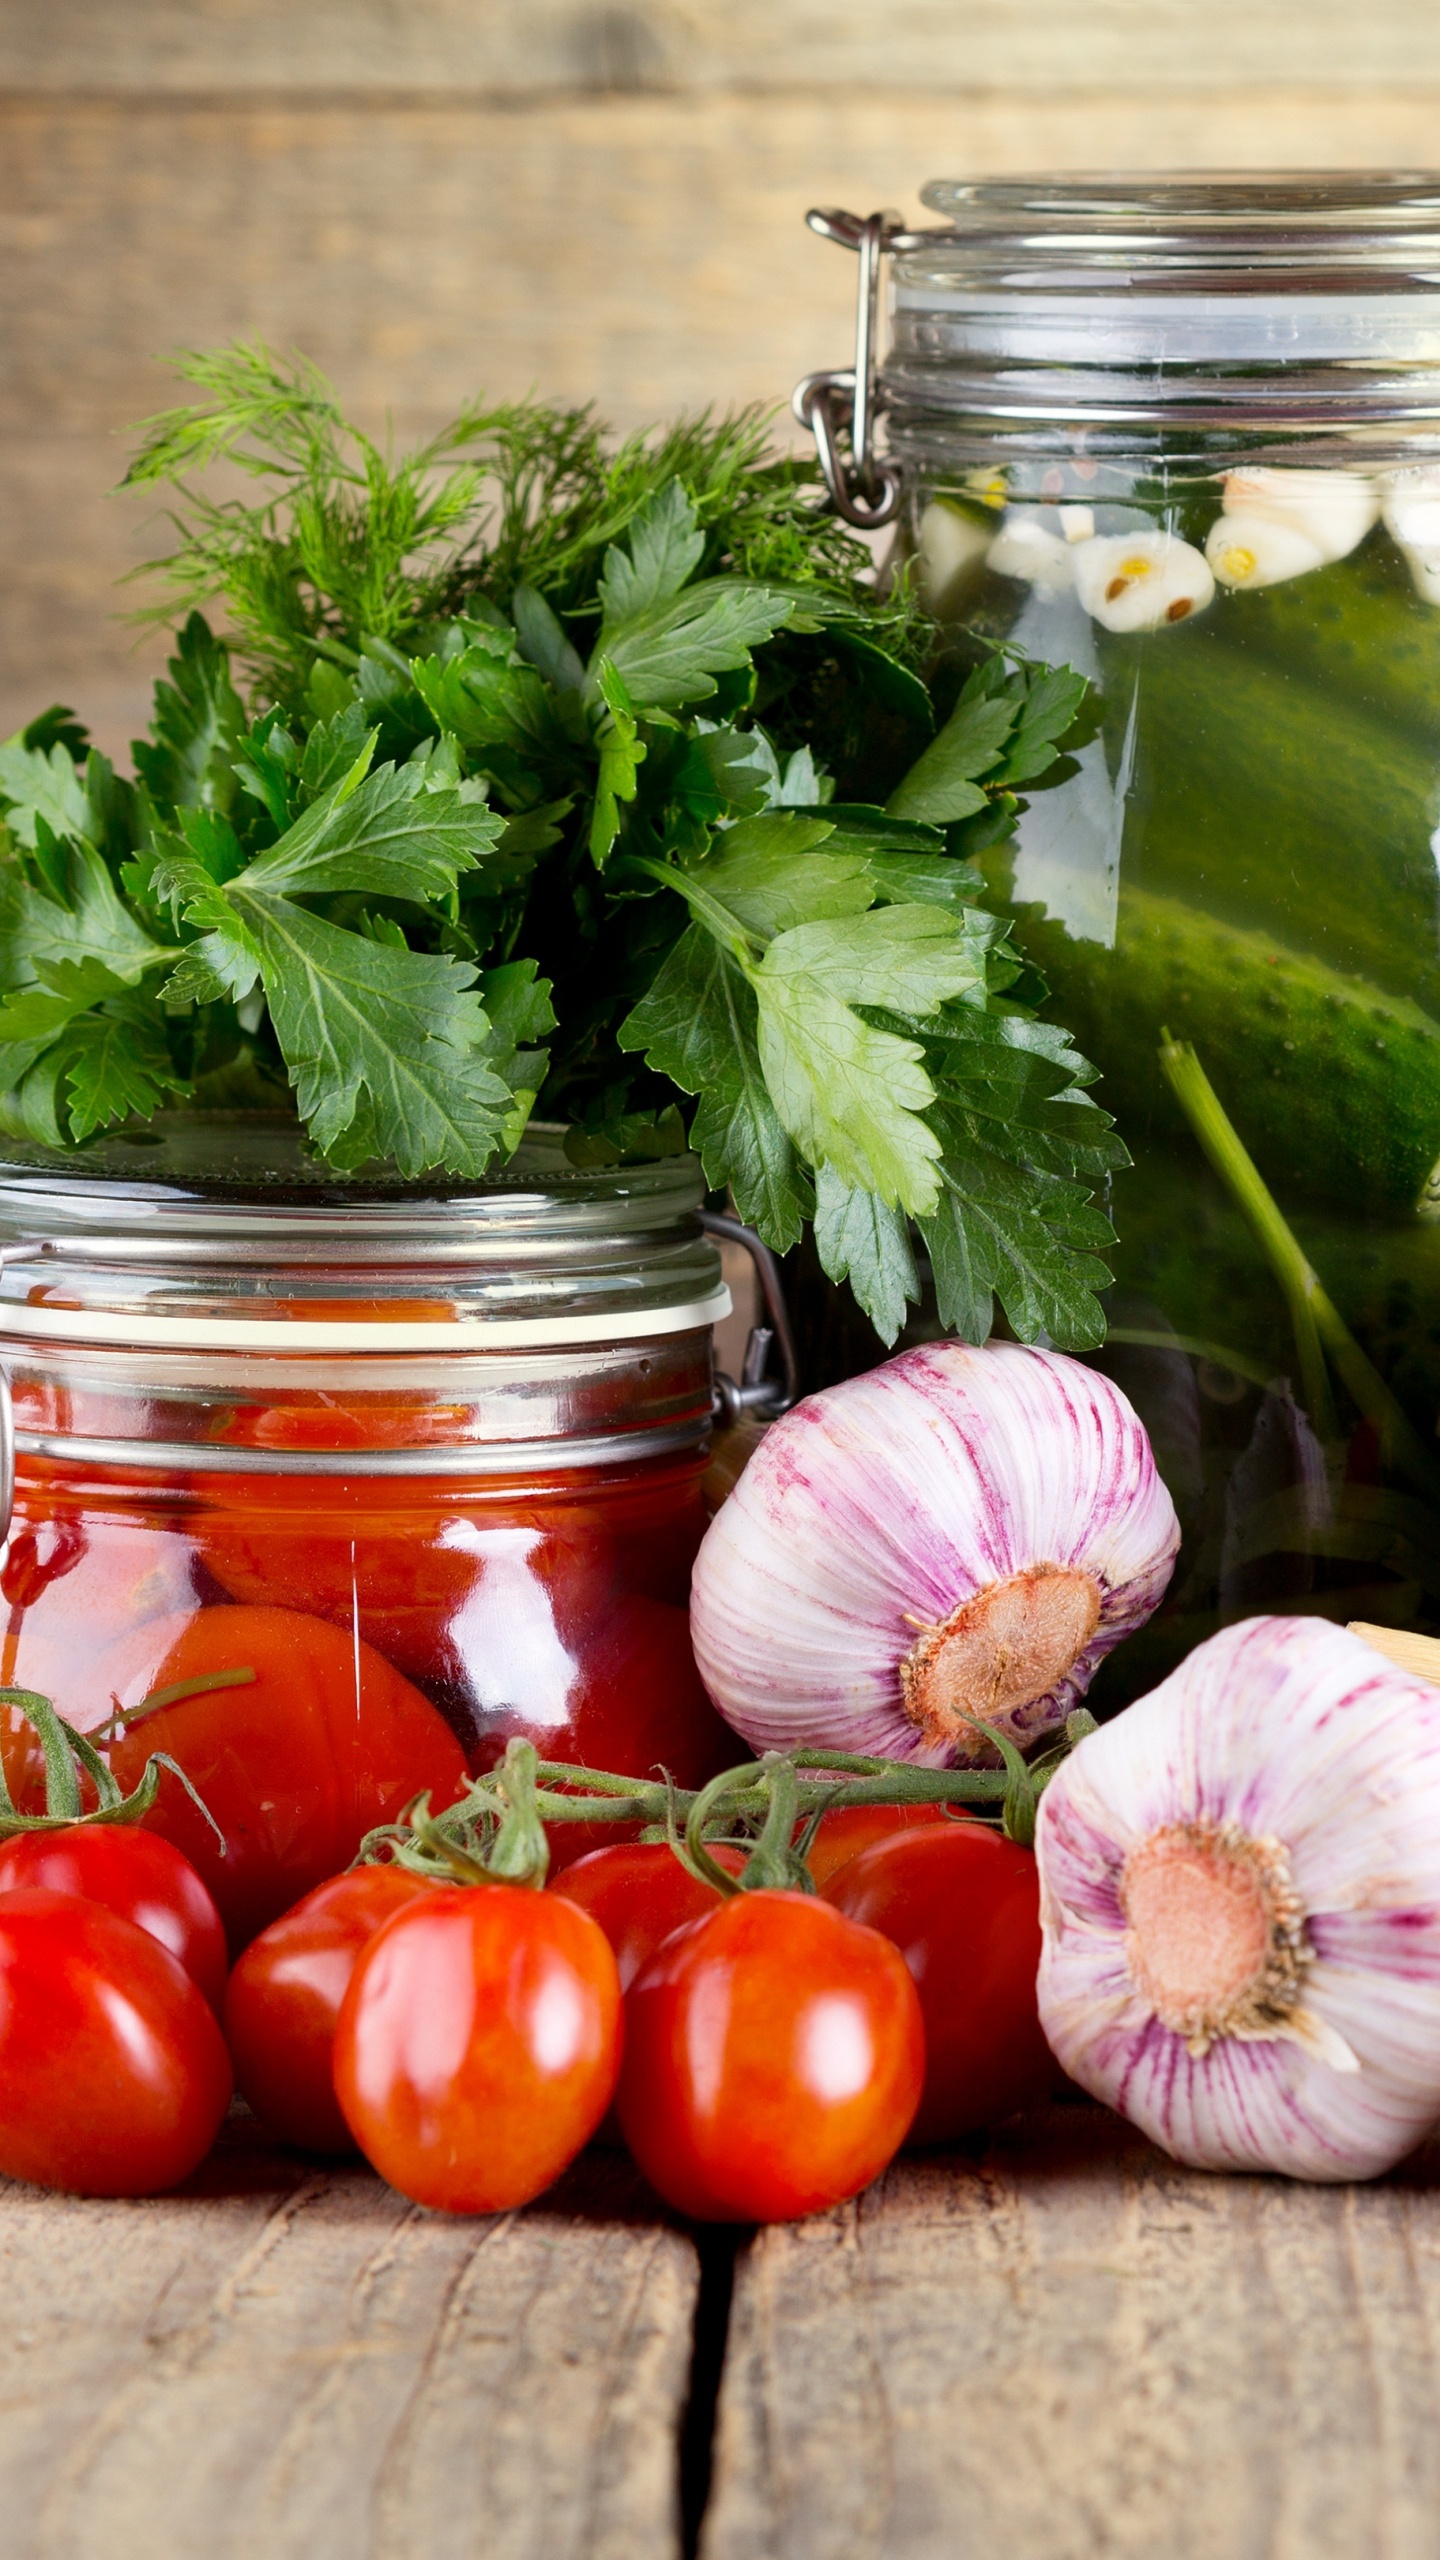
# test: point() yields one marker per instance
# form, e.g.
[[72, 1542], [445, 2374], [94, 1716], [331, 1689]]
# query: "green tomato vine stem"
[[770, 1808]]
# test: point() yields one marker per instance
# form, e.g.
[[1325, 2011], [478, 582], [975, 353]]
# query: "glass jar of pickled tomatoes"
[[326, 1488]]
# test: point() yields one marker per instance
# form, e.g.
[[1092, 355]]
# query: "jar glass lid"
[[1316, 299]]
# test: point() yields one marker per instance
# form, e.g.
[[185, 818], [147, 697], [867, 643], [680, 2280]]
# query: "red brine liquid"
[[399, 1631]]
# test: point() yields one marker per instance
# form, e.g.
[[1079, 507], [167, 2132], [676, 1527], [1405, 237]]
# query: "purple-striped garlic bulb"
[[1240, 1898], [959, 1535]]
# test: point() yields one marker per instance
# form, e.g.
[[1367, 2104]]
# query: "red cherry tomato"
[[963, 1906], [135, 1873], [640, 1894], [478, 2044], [843, 1835], [295, 1766], [284, 1998], [113, 2072], [773, 2060]]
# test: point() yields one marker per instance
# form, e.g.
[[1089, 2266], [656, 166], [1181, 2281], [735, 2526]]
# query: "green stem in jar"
[[199, 1687], [1319, 1326]]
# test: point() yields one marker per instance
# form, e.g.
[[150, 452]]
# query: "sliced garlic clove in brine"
[[1412, 510], [952, 548], [1259, 550], [1139, 581], [1332, 509], [1025, 548], [1424, 568]]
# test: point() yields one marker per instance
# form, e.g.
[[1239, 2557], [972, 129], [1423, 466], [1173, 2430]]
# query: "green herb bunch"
[[539, 772]]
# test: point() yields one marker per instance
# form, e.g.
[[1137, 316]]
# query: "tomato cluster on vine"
[[764, 2048]]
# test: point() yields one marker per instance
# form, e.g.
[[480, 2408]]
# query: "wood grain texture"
[[525, 47], [303, 2366], [1070, 2347]]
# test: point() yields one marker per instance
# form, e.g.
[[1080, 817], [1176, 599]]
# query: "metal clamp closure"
[[755, 1396], [866, 489]]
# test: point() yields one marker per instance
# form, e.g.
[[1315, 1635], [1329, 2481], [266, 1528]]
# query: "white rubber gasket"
[[263, 1333]]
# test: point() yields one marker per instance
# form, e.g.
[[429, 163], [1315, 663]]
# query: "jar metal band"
[[457, 1458]]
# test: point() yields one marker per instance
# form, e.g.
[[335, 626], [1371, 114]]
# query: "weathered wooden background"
[[435, 195]]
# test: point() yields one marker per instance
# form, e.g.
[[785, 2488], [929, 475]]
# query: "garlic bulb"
[[1136, 581], [952, 547], [1025, 548], [1240, 1898], [960, 1533], [1259, 550], [1333, 510]]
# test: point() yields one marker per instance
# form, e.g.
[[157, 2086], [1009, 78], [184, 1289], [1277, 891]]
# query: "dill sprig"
[[349, 541]]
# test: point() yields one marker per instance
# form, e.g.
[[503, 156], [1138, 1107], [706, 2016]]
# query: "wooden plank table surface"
[[1047, 2346]]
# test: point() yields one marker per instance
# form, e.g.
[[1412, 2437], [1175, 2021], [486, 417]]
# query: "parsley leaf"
[[861, 1239], [41, 785], [664, 548], [621, 756], [79, 916], [1053, 697], [670, 652], [386, 1039], [382, 1044], [199, 721], [697, 1025], [942, 785]]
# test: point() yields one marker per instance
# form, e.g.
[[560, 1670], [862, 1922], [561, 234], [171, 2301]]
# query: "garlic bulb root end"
[[1000, 1651], [1216, 1935]]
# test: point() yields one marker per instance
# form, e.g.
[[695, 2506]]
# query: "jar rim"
[[1286, 219], [1291, 304], [234, 1252]]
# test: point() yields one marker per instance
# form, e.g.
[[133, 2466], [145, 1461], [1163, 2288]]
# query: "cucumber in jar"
[[1357, 629], [1276, 804], [1336, 1084]]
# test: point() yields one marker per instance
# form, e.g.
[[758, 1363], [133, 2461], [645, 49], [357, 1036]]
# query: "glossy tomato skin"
[[774, 2057], [284, 1998], [963, 1906], [114, 2076], [295, 1766], [133, 1872], [640, 1894], [478, 2045], [843, 1835], [556, 1614]]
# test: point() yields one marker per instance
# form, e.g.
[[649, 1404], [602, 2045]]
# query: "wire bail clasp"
[[866, 489], [757, 1396]]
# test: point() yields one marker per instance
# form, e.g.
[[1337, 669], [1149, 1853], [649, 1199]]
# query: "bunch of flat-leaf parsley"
[[540, 773]]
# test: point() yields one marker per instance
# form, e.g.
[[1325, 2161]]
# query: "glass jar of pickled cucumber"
[[1185, 437], [326, 1489]]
